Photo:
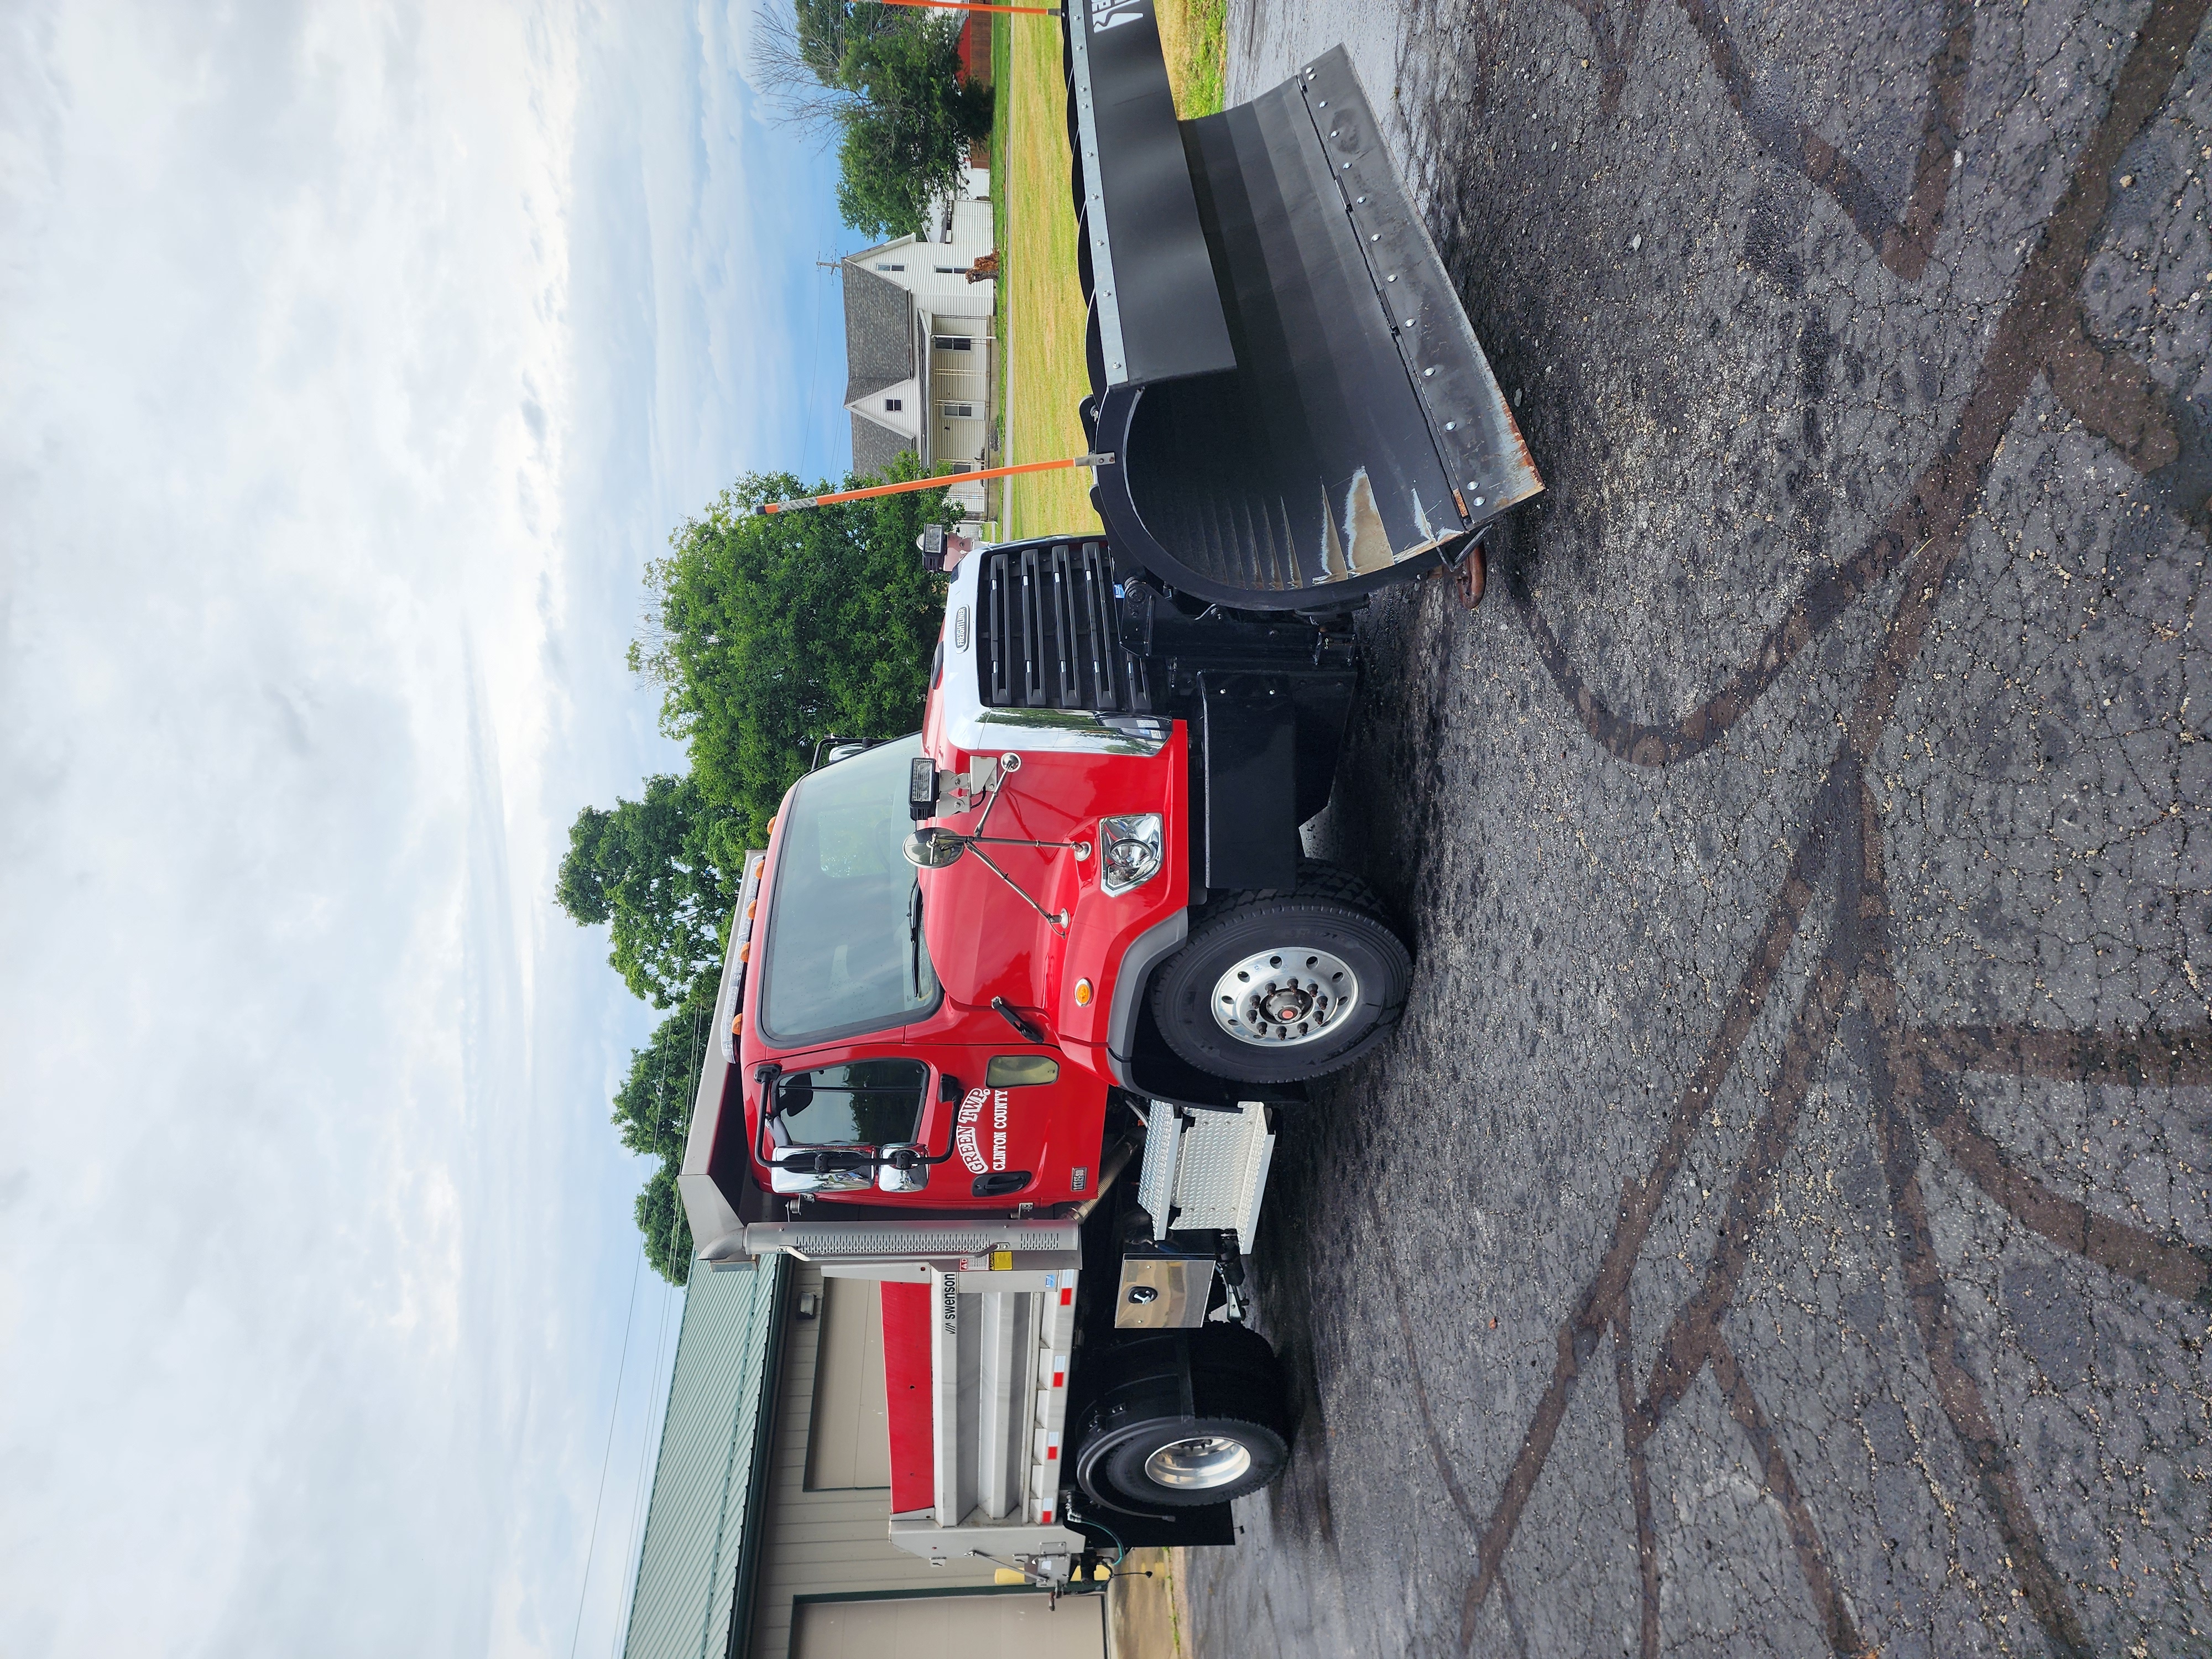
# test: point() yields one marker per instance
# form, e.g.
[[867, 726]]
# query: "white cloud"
[[349, 364]]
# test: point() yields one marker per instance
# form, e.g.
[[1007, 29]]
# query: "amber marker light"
[[1082, 994]]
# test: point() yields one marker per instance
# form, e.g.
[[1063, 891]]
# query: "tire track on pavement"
[[1938, 506], [2039, 332]]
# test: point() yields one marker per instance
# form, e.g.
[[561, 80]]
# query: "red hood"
[[984, 939]]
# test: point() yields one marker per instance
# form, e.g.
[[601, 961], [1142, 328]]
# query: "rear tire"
[[1218, 1004], [1186, 1463], [1139, 1450]]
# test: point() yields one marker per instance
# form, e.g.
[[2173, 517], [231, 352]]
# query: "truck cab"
[[934, 1037]]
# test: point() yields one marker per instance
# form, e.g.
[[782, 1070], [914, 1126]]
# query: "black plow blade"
[[1298, 407]]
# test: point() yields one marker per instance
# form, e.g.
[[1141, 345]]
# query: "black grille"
[[1050, 627]]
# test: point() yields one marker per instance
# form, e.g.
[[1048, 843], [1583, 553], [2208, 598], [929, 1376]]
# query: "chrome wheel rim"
[[1285, 996], [1200, 1463]]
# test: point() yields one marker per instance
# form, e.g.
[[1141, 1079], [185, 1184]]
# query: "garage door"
[[952, 1627], [847, 1444]]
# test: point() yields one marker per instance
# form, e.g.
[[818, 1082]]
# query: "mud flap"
[[1249, 750], [1316, 420]]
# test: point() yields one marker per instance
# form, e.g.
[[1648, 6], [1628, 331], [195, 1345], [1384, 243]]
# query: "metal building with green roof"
[[699, 1553], [767, 1533]]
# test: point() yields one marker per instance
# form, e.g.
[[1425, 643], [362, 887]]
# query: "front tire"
[[1278, 988]]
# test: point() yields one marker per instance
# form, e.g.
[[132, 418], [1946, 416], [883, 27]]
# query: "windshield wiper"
[[914, 943], [1005, 1012]]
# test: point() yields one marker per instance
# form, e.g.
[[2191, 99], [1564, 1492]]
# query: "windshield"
[[844, 951]]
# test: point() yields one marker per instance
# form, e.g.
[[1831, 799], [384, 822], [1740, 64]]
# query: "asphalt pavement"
[[1782, 1226]]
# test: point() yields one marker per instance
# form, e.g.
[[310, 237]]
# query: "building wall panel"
[[828, 1541], [952, 1628], [848, 1445]]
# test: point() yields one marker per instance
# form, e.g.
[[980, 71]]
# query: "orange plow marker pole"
[[938, 482], [961, 5]]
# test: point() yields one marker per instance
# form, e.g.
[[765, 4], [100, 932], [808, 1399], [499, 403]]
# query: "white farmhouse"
[[918, 344]]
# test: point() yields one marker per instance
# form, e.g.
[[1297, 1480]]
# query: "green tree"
[[883, 190], [823, 31], [908, 129], [768, 633], [648, 870], [652, 1114], [764, 634], [653, 1108], [662, 1225]]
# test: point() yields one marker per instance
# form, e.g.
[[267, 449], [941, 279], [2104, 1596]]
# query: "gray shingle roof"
[[879, 333], [874, 448]]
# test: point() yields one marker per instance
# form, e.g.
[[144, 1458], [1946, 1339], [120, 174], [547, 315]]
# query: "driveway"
[[1782, 1226]]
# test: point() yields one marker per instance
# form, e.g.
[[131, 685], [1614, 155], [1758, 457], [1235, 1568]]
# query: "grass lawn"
[[1041, 313], [1040, 298], [1002, 35], [1194, 39]]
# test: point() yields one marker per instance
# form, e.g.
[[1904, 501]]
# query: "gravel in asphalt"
[[1782, 1223]]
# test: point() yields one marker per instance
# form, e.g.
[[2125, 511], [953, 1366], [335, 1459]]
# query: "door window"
[[858, 1103], [1020, 1071]]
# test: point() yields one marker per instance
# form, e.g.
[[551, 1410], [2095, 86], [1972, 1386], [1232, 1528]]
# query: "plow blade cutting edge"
[[1297, 406]]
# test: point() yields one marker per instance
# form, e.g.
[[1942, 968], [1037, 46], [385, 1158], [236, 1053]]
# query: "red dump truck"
[[1011, 1006]]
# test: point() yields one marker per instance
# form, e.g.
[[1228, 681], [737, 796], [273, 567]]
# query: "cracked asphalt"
[[1782, 1224]]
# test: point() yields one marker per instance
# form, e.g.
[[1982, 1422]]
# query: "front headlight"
[[1130, 851]]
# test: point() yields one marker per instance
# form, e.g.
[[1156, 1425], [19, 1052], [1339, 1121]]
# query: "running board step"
[[1205, 1170]]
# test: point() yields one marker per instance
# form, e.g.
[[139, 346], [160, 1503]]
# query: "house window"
[[953, 342], [880, 265], [893, 403], [957, 411], [949, 271]]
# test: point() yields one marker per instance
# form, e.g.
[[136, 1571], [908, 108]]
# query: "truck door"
[[989, 1125], [1026, 1124]]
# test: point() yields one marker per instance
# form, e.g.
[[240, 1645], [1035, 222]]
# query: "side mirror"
[[904, 1170], [931, 848], [786, 1180], [792, 1091]]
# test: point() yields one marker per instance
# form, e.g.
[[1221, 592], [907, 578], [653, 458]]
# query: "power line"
[[813, 364], [699, 1022], [640, 1496], [606, 1456]]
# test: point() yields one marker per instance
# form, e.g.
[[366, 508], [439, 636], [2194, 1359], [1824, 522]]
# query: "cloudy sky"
[[353, 359]]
